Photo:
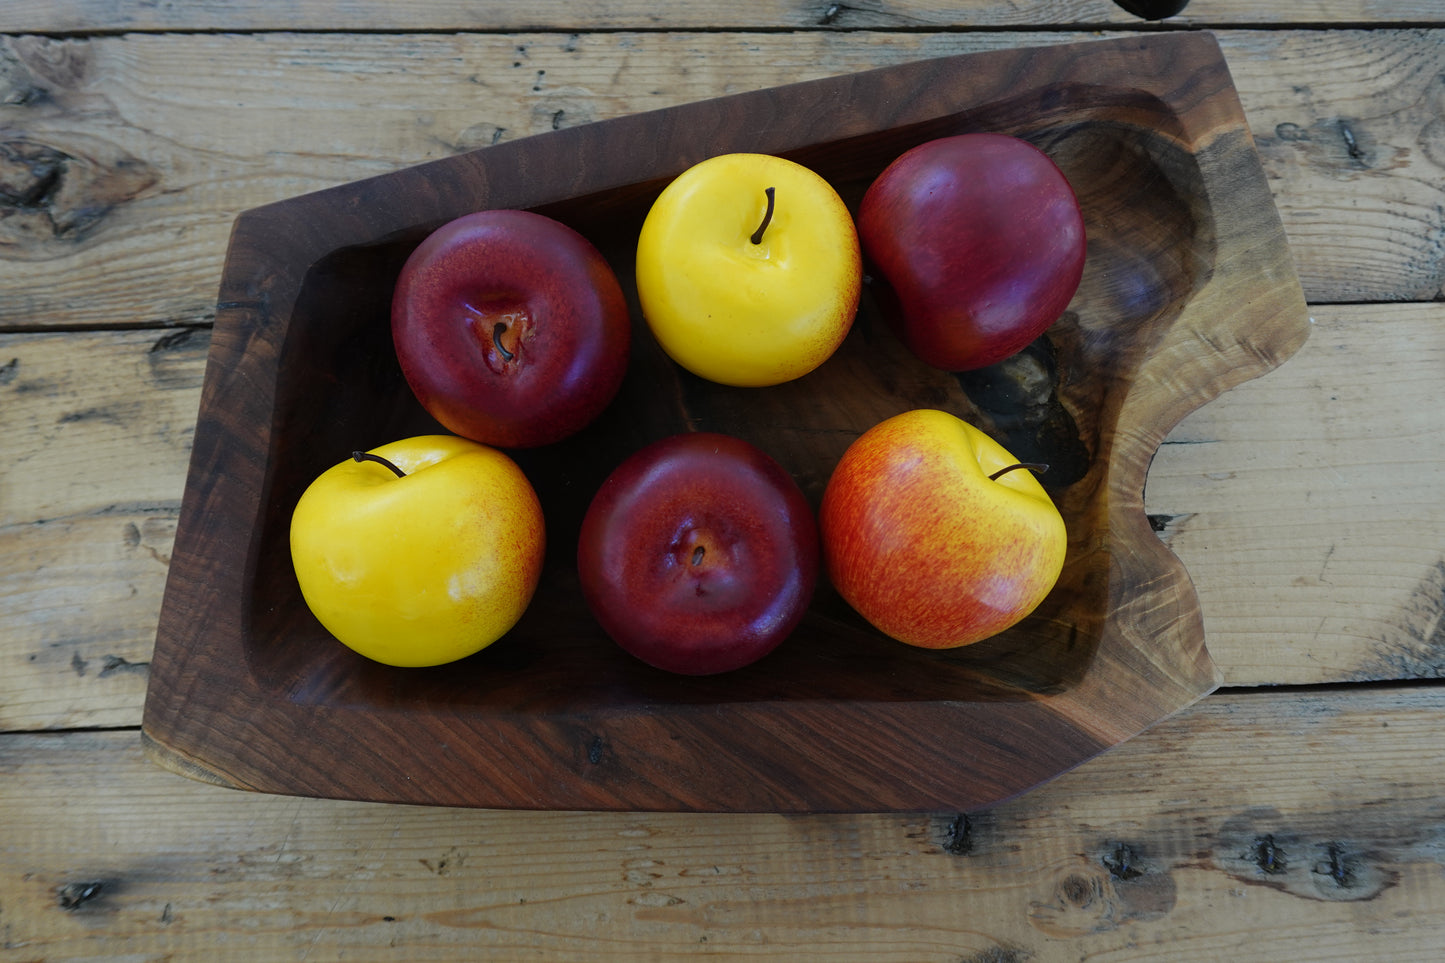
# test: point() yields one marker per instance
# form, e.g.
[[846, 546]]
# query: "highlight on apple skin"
[[976, 246], [935, 534], [698, 554], [511, 328]]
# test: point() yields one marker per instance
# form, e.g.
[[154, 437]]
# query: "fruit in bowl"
[[935, 534], [511, 328], [698, 554], [420, 552], [977, 245], [749, 270]]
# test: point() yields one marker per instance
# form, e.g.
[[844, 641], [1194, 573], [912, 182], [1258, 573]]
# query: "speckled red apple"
[[936, 534]]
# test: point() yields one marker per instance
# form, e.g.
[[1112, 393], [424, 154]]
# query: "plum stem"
[[497, 330], [1032, 466], [368, 456], [757, 236], [697, 554]]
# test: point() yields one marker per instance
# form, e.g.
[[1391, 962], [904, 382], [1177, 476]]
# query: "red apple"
[[698, 554], [978, 243], [511, 328], [935, 533]]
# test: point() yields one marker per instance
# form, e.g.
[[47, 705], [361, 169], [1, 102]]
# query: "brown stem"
[[368, 456], [1032, 466], [697, 554], [757, 237], [497, 330]]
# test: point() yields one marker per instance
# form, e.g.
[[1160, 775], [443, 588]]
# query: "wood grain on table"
[[1294, 814]]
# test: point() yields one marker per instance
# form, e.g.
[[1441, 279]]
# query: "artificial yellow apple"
[[420, 552], [936, 534], [749, 269]]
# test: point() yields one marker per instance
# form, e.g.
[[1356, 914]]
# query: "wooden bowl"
[[1189, 289]]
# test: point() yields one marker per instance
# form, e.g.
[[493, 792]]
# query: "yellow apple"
[[420, 552], [935, 534], [749, 270]]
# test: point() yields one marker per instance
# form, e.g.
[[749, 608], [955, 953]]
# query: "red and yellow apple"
[[976, 246], [749, 270], [698, 554], [420, 552], [935, 534], [511, 328]]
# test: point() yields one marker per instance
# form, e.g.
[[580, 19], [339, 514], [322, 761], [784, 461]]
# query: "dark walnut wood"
[[1189, 290]]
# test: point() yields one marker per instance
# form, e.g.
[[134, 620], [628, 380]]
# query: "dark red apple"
[[698, 554], [977, 243], [511, 328]]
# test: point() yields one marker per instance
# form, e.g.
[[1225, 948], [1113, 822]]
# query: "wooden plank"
[[81, 598], [87, 16], [97, 423], [1338, 847], [125, 159], [1350, 128], [98, 431], [1305, 506]]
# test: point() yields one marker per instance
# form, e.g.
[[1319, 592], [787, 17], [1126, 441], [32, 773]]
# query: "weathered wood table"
[[1298, 812]]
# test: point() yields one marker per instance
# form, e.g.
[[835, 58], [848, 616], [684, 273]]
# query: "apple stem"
[[697, 554], [757, 237], [497, 330], [368, 456], [1032, 466]]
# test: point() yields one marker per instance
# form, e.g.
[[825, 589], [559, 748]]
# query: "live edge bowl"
[[1189, 289]]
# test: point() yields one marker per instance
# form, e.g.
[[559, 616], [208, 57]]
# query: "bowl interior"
[[339, 388]]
